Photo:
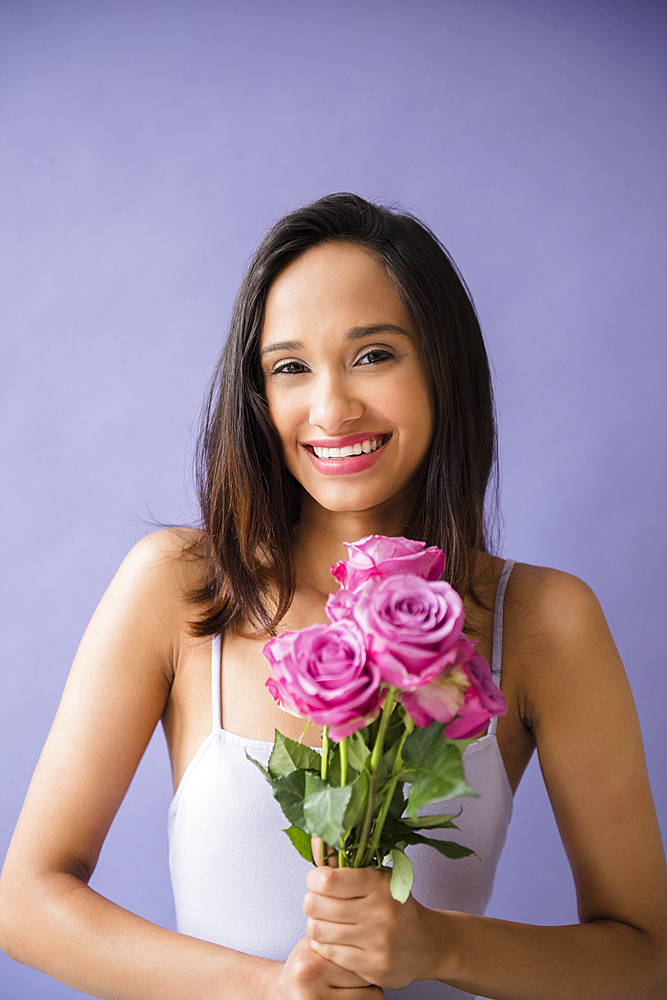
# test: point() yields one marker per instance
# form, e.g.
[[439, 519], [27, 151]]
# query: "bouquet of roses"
[[400, 692]]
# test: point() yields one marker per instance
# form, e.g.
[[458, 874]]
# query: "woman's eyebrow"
[[354, 333], [359, 332]]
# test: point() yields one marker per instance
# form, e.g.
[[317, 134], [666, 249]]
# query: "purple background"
[[146, 145]]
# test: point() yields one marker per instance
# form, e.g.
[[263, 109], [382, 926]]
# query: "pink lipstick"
[[346, 466]]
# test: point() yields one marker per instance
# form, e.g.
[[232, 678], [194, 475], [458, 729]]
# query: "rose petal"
[[323, 673], [383, 556]]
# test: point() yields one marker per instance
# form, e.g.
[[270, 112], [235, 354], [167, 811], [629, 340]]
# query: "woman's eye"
[[375, 356], [289, 368]]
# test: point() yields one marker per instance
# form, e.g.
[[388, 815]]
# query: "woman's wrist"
[[439, 952], [265, 984]]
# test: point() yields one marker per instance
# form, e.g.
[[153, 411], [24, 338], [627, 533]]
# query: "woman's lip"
[[343, 442], [345, 466]]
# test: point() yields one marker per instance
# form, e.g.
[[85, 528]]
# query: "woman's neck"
[[321, 534]]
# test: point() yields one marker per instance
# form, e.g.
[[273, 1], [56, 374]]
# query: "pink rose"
[[411, 625], [481, 702], [379, 555], [440, 700], [322, 673], [341, 604]]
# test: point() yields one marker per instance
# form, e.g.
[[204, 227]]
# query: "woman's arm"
[[590, 750], [116, 693]]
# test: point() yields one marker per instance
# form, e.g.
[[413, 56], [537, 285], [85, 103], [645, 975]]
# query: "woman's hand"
[[307, 976], [354, 921]]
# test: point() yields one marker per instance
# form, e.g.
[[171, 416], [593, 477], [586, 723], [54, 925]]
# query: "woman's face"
[[342, 370]]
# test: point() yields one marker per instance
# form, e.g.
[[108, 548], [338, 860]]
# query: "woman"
[[352, 331]]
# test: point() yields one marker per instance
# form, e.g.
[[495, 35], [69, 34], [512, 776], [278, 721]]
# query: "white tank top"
[[239, 882]]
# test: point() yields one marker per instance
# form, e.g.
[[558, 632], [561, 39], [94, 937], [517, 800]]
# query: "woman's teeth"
[[372, 444]]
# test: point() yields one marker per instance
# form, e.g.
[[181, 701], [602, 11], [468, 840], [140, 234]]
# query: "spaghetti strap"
[[497, 655], [216, 703]]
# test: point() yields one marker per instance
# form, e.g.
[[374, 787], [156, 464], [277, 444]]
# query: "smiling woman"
[[352, 399], [342, 313], [351, 376]]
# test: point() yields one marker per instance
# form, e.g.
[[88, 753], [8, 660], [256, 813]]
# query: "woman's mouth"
[[348, 458], [365, 447]]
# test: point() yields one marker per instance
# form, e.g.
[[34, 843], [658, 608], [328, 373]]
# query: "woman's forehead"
[[336, 285]]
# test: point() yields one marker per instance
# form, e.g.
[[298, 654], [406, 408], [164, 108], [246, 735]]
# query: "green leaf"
[[290, 792], [419, 740], [397, 807], [313, 783], [449, 848], [301, 841], [434, 766], [398, 834], [260, 766], [334, 768], [287, 756], [441, 822], [408, 721], [357, 751], [402, 876], [396, 723], [386, 766], [464, 744], [394, 735], [369, 733], [434, 786], [356, 807], [324, 810]]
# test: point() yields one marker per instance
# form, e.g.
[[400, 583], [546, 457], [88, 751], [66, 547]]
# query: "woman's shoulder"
[[547, 597], [554, 603], [556, 641], [162, 571], [168, 553]]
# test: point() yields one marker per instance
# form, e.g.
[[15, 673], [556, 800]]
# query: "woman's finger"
[[344, 956], [320, 850], [307, 974], [339, 911], [326, 932], [358, 993], [338, 978], [346, 883]]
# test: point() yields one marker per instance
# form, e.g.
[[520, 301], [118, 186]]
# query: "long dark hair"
[[250, 502]]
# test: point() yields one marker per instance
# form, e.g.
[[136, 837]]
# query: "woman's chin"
[[361, 504]]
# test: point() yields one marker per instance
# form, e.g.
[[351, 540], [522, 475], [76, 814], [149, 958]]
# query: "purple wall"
[[144, 148]]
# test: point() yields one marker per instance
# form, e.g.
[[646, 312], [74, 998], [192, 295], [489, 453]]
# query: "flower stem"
[[342, 857], [379, 822], [376, 755], [366, 828], [390, 788], [324, 769], [374, 763], [343, 760]]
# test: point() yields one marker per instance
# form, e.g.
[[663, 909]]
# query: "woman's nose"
[[333, 404]]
